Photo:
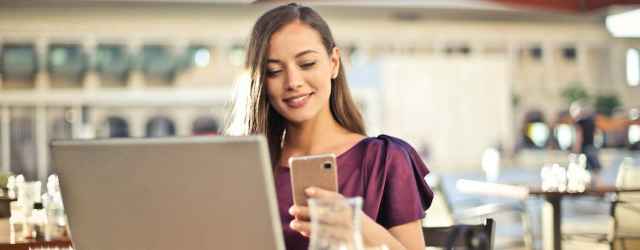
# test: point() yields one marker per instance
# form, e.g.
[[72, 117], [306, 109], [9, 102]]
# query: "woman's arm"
[[405, 236], [577, 146]]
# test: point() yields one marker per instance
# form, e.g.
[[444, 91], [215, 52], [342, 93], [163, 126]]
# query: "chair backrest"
[[628, 177], [626, 208], [628, 174], [471, 237]]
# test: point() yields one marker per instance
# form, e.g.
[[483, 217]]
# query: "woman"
[[300, 100]]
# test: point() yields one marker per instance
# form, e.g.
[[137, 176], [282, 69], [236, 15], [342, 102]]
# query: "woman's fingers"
[[339, 233], [337, 218], [302, 227], [330, 230], [314, 192], [331, 209], [300, 212]]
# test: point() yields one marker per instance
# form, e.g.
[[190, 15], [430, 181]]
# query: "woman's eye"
[[307, 65], [272, 73]]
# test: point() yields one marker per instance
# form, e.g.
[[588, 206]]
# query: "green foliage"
[[574, 93], [515, 100], [606, 104], [4, 176]]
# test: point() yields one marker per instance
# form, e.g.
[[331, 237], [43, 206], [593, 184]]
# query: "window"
[[67, 65], [114, 127], [535, 132], [160, 126], [59, 123], [112, 65], [569, 54], [196, 56], [23, 154], [538, 132], [18, 66], [565, 135], [457, 50], [634, 134], [237, 54], [205, 125], [633, 67], [535, 53], [158, 65], [465, 50]]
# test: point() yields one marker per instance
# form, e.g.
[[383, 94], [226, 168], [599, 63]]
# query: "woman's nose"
[[294, 79]]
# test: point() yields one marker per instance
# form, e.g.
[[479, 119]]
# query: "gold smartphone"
[[312, 171]]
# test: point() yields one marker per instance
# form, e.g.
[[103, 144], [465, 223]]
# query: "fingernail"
[[292, 210], [293, 224], [310, 191]]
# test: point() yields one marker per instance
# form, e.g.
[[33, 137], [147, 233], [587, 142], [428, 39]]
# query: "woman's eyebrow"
[[305, 52], [270, 60]]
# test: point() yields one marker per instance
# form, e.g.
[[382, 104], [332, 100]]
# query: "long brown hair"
[[260, 117]]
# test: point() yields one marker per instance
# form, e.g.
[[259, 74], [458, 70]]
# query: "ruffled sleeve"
[[396, 192]]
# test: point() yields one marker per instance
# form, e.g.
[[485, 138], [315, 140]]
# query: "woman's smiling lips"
[[297, 101]]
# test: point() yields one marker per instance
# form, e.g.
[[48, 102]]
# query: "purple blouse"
[[385, 171]]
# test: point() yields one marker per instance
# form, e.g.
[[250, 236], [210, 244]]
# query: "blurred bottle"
[[11, 187], [18, 181], [560, 177], [56, 221], [28, 196], [36, 222], [554, 178], [578, 177], [17, 218], [16, 221]]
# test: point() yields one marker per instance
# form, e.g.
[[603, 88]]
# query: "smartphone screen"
[[312, 171]]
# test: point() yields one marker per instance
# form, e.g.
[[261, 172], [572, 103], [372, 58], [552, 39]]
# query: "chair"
[[623, 212], [461, 236], [625, 207], [474, 209]]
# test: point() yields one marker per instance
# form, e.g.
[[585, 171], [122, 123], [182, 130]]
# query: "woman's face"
[[299, 72]]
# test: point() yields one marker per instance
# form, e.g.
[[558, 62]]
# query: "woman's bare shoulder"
[[355, 137], [347, 142]]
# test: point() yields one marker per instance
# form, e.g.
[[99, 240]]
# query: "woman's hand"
[[405, 236], [302, 217]]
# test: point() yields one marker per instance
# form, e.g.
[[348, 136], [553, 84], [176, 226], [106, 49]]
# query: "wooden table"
[[7, 244], [551, 211]]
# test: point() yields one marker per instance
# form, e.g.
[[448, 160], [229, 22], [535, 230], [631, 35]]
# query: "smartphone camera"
[[327, 165]]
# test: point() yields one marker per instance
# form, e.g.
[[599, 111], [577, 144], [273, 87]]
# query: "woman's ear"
[[335, 62]]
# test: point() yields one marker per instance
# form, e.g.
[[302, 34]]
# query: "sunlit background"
[[469, 83]]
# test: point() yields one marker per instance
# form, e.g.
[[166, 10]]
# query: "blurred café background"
[[481, 88]]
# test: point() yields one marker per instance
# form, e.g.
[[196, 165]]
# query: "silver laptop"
[[169, 193]]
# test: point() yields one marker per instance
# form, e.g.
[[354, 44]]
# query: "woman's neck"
[[314, 136]]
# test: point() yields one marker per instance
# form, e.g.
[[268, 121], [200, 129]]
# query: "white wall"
[[457, 106]]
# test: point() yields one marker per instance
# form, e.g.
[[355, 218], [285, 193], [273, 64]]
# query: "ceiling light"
[[622, 25]]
